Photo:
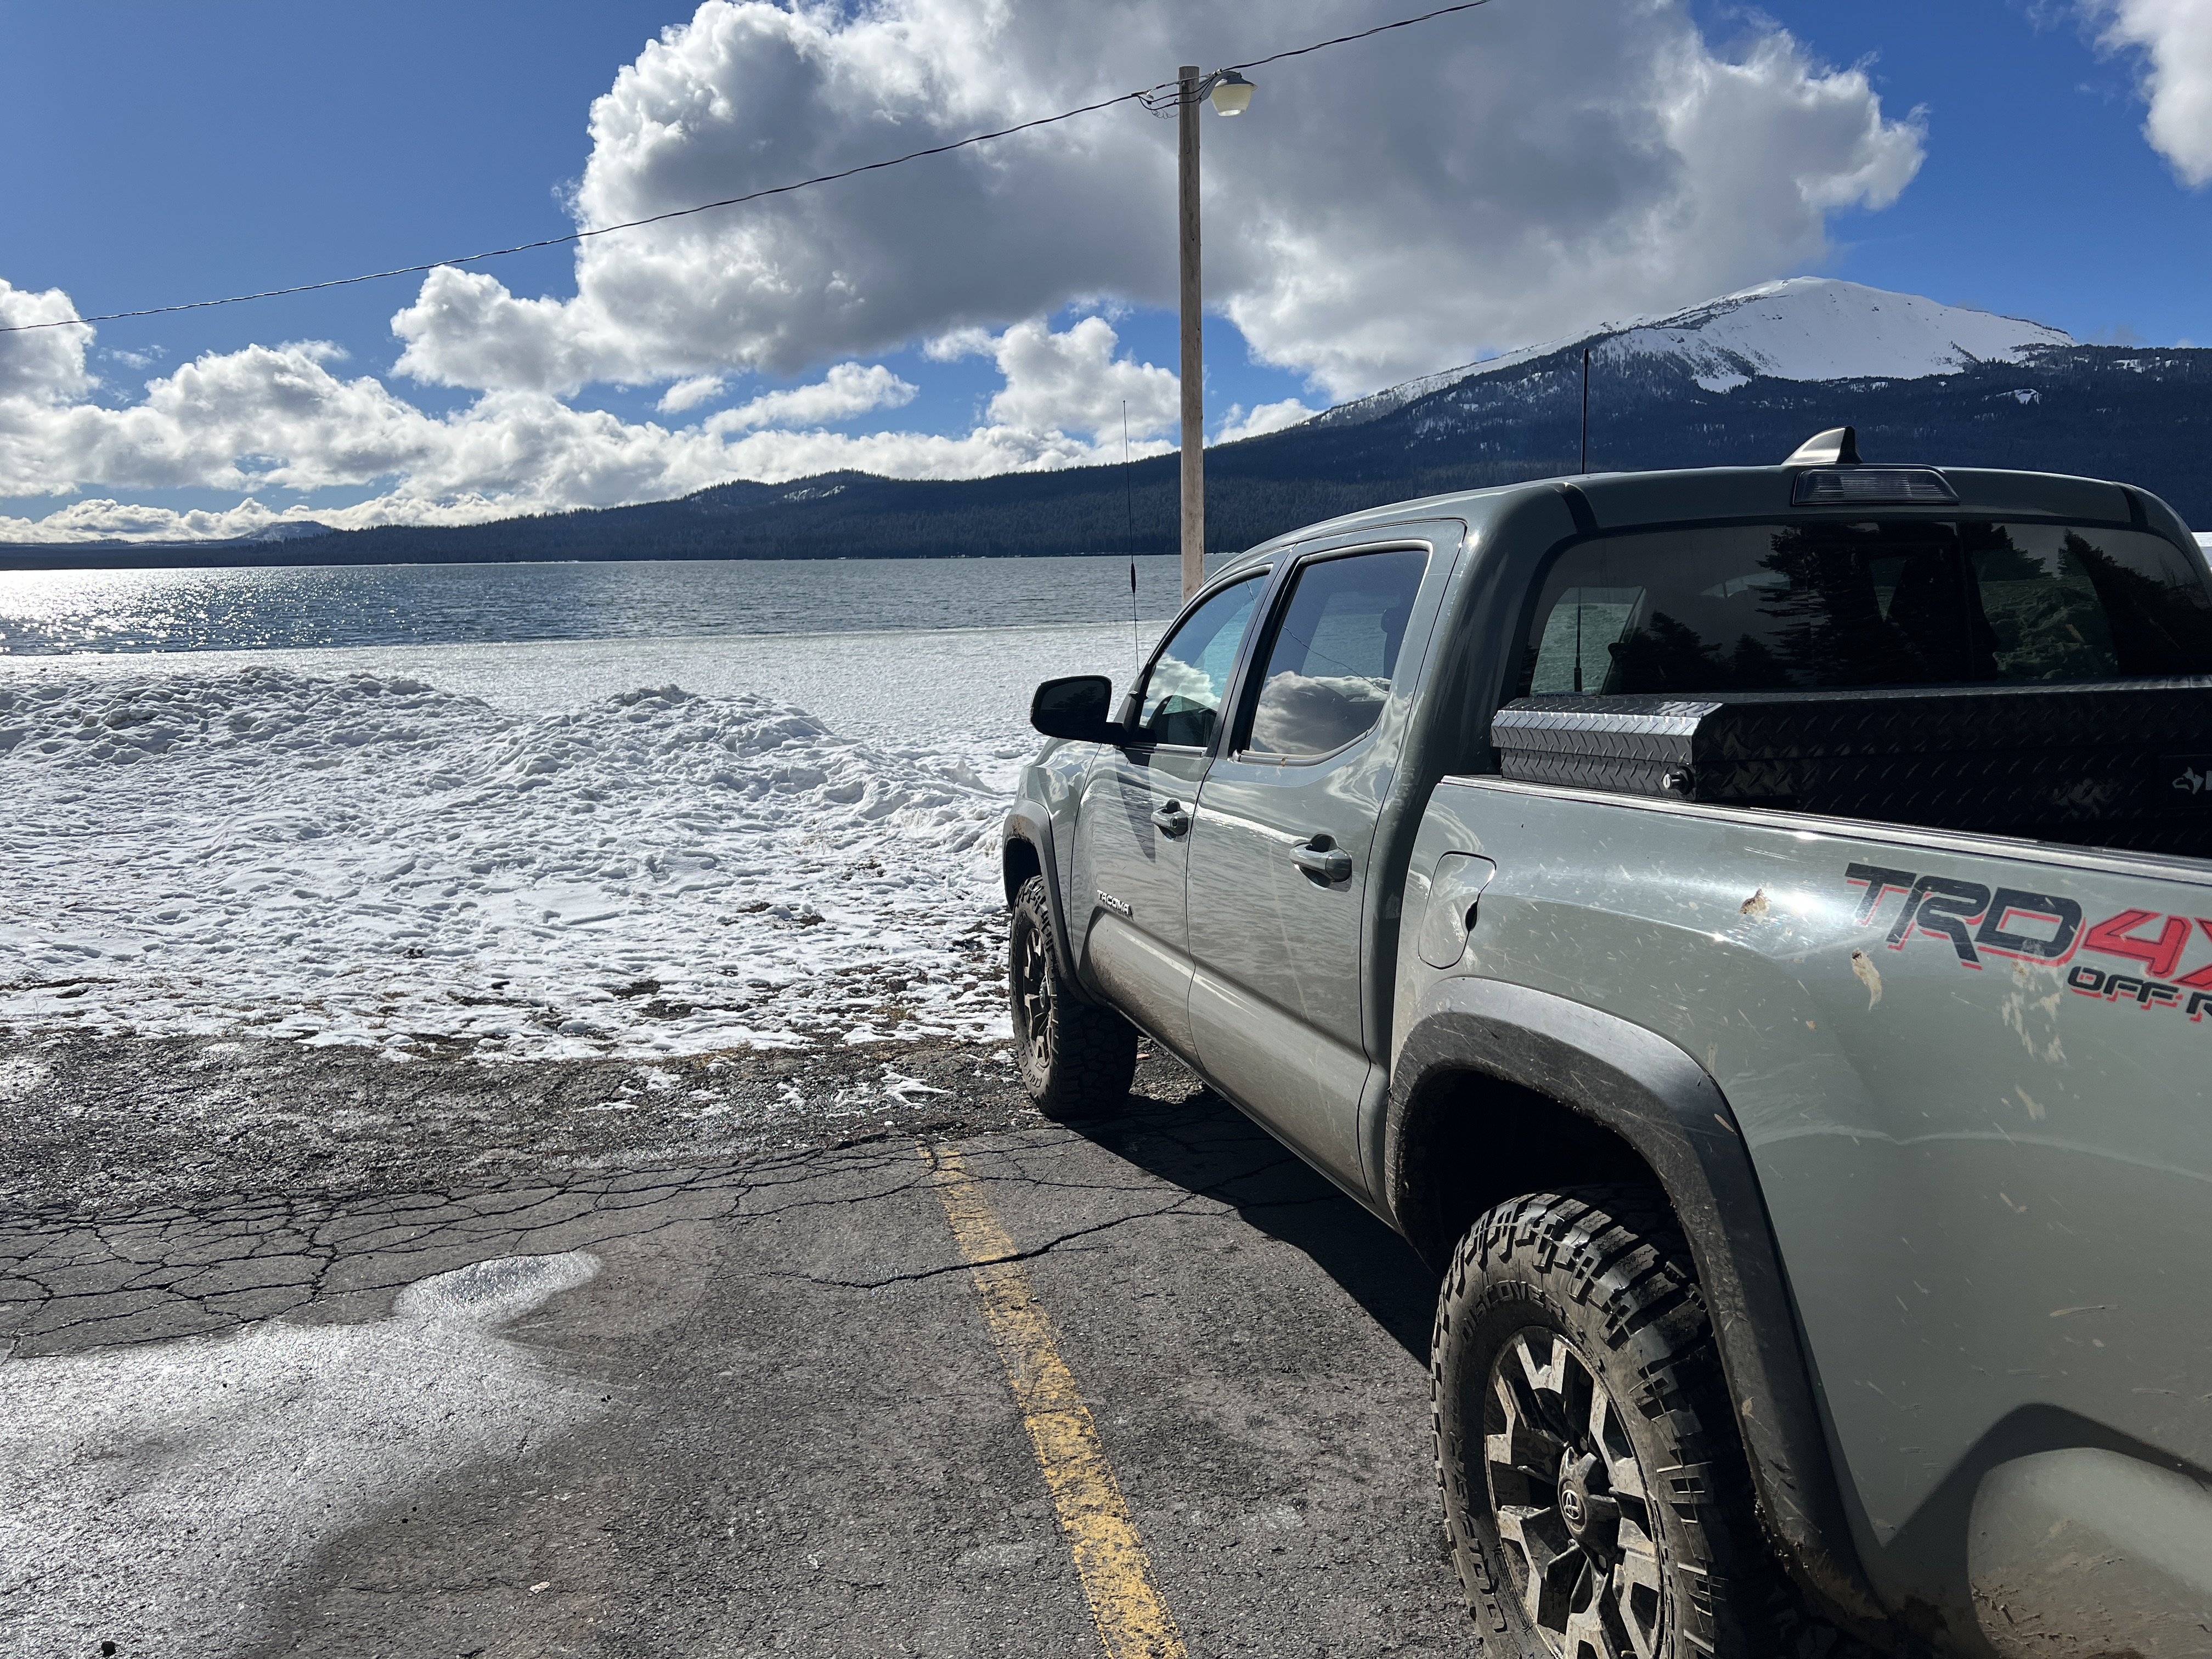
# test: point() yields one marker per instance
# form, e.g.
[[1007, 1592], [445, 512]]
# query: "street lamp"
[[1232, 94]]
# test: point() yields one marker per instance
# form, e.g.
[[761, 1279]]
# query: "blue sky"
[[244, 144], [169, 153], [2039, 197]]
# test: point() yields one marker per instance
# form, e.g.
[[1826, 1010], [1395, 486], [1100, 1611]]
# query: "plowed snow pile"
[[364, 858]]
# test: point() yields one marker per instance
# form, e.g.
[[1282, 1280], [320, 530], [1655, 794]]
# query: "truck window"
[[1334, 652], [1181, 702], [1907, 602]]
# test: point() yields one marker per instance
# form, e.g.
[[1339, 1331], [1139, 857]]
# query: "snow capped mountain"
[[1806, 328]]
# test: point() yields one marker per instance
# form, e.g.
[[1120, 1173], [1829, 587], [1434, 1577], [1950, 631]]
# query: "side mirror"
[[1077, 708]]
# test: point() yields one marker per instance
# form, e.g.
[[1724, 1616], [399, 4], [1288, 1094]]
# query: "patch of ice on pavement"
[[490, 1294], [368, 859], [157, 1494]]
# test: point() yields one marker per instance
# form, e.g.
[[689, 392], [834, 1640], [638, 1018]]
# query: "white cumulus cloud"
[[265, 418], [1384, 210], [1070, 381], [1240, 423], [1393, 208], [41, 366], [848, 390], [2175, 40], [101, 519], [691, 393]]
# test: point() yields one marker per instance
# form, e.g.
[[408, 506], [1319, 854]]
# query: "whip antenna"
[[1129, 503]]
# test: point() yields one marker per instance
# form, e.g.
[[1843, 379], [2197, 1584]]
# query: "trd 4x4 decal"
[[2014, 922], [1976, 920]]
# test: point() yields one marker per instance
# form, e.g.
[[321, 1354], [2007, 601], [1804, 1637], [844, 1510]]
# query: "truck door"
[[1278, 856], [1133, 826]]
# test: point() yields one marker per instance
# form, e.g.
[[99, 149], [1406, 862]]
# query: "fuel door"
[[1454, 885]]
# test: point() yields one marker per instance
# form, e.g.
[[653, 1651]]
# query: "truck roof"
[[1620, 501]]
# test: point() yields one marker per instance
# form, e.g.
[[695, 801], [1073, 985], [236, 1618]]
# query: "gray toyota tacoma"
[[1751, 931]]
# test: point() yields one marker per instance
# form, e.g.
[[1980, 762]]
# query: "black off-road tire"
[[1591, 1290], [1076, 1058]]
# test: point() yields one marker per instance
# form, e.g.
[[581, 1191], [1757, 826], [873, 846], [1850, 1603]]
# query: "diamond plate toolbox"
[[2121, 764]]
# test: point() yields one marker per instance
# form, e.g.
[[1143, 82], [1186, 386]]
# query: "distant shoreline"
[[30, 558]]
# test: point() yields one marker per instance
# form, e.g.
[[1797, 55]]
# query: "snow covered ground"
[[579, 848]]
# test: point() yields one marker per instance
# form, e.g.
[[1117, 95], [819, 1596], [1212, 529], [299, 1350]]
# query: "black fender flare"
[[1029, 821], [1670, 1112]]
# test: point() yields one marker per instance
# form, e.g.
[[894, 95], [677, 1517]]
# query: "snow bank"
[[365, 858]]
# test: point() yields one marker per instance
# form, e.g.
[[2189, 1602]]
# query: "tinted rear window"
[[1772, 607]]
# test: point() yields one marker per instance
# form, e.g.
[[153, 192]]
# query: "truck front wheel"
[[1594, 1491], [1076, 1058]]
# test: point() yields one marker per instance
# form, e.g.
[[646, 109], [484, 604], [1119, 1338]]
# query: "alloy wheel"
[[1571, 1503], [1033, 995]]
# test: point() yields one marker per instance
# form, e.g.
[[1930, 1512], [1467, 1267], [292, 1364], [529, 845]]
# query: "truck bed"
[[1956, 1218]]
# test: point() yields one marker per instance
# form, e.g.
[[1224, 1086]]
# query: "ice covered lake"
[[645, 842]]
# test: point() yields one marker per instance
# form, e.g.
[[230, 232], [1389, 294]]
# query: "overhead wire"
[[1346, 40], [1142, 96], [580, 235]]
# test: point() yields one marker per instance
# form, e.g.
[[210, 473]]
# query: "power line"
[[1139, 96], [1167, 98], [1346, 40], [579, 235]]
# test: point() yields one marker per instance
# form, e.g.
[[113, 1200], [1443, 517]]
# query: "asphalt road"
[[738, 1406]]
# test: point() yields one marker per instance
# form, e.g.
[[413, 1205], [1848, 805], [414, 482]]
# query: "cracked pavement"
[[741, 1404]]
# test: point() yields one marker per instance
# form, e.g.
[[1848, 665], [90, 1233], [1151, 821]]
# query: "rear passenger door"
[[1279, 851]]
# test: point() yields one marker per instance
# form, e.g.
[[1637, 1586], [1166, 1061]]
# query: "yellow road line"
[[1133, 1622]]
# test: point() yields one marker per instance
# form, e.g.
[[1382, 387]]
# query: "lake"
[[307, 607]]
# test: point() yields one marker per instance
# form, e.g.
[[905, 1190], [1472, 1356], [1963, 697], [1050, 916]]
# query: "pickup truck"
[[1750, 930]]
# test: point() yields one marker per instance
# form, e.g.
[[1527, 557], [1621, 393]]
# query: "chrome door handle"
[[1171, 819], [1324, 857]]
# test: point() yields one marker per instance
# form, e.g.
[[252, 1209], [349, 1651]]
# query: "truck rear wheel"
[[1076, 1059], [1594, 1491]]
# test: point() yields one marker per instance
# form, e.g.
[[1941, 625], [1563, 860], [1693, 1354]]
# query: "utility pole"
[[1189, 91], [1230, 94], [1585, 465]]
